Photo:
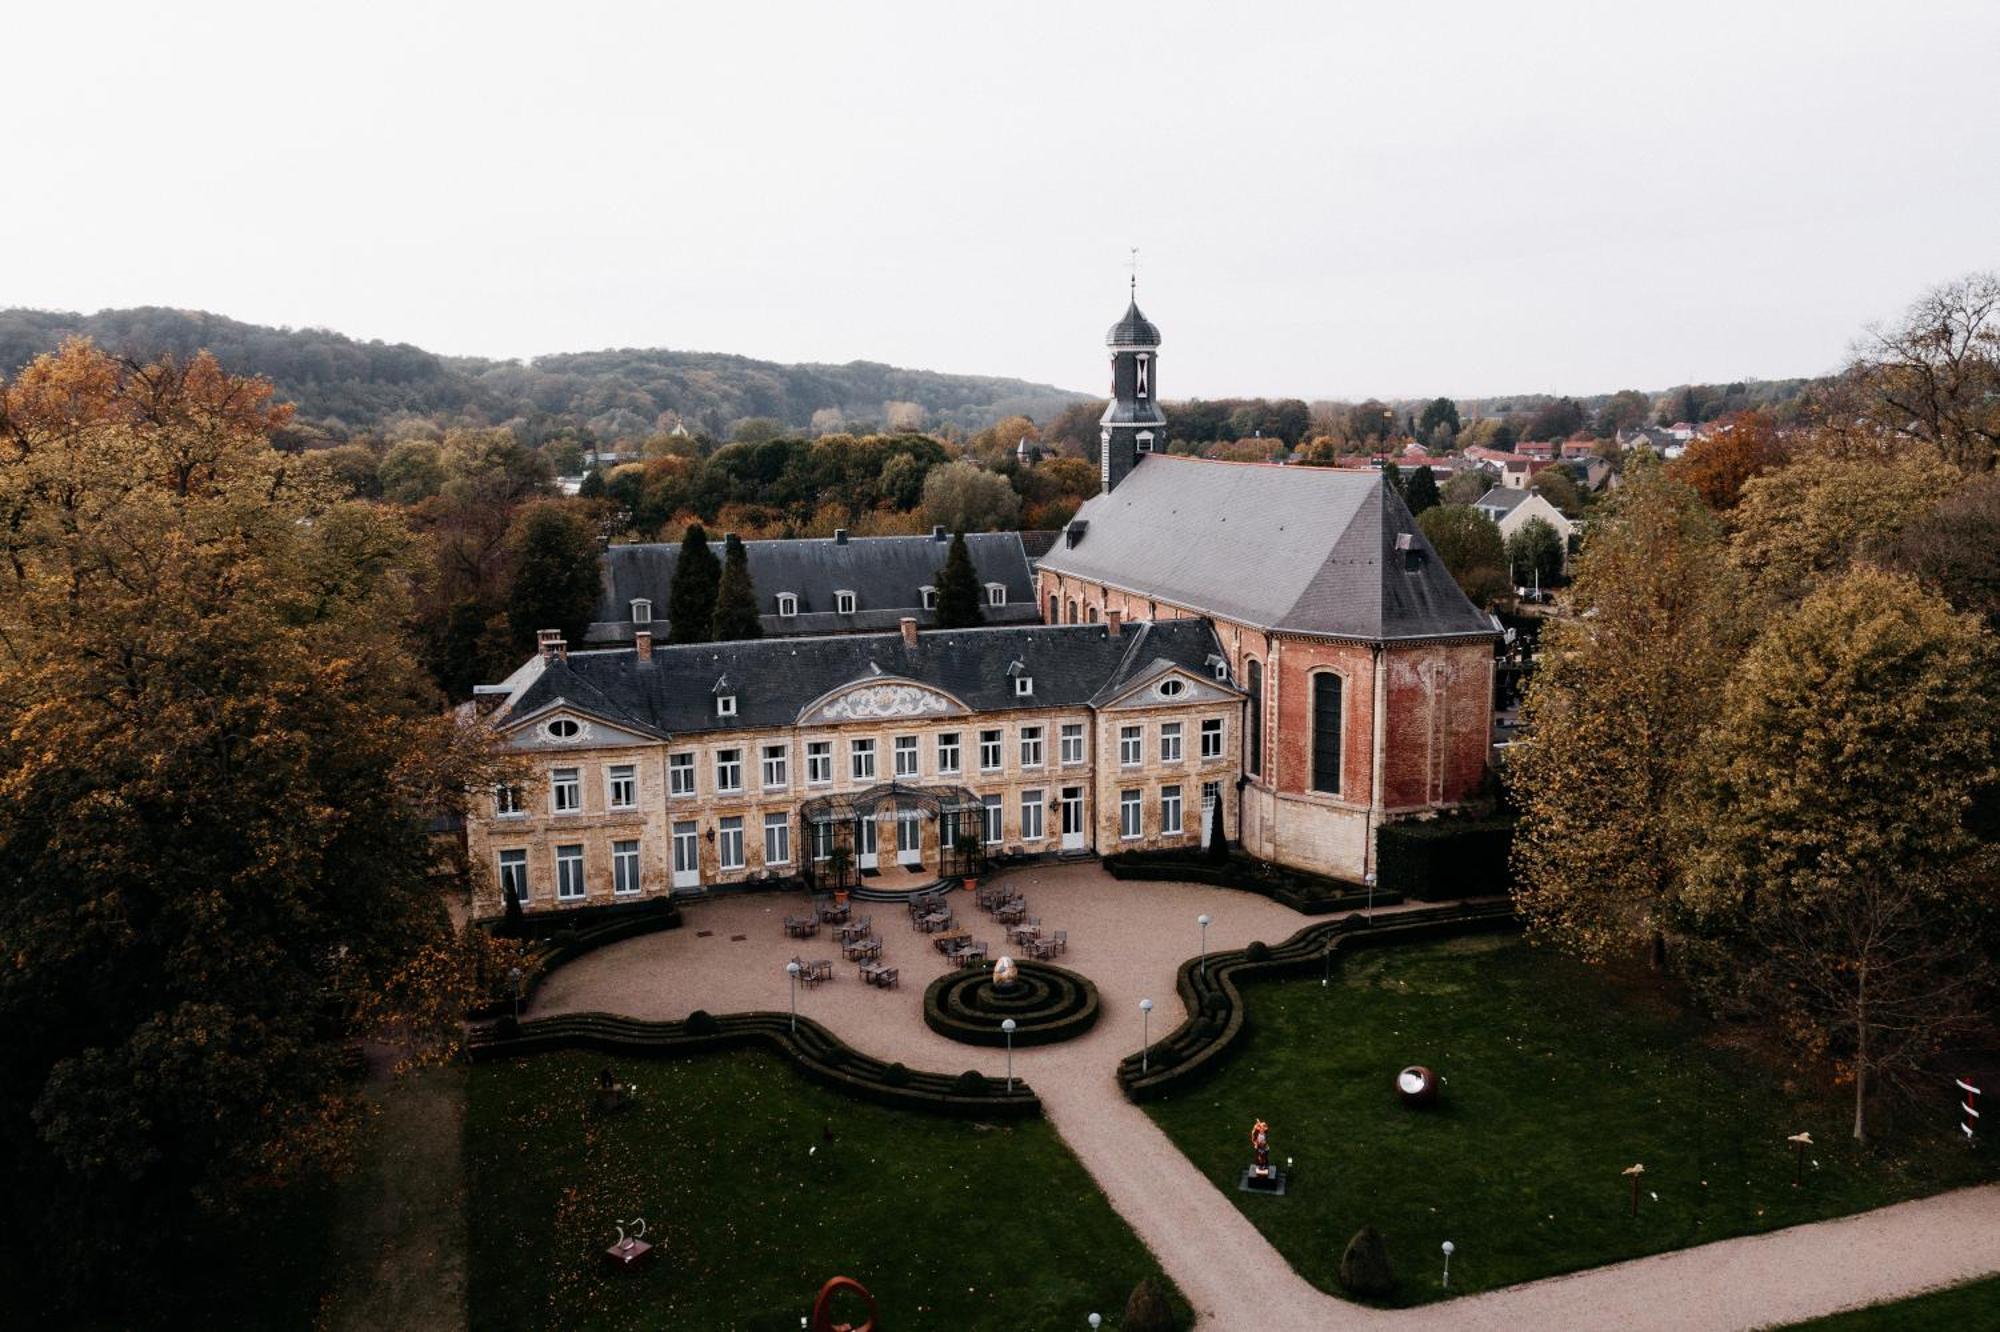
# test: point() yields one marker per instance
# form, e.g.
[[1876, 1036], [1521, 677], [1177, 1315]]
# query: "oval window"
[[1172, 688], [564, 728]]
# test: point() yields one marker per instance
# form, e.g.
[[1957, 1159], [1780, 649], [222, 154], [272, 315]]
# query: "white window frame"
[[1034, 820], [1024, 686], [625, 872], [681, 781], [642, 610], [993, 745], [565, 791], [1172, 818], [819, 763], [775, 766], [996, 594], [725, 705], [820, 836], [777, 839], [1071, 740], [514, 858], [569, 874], [1034, 748], [728, 771], [908, 750], [630, 783], [729, 843], [857, 750], [507, 802], [845, 602], [1131, 815], [1131, 746], [1170, 742], [1213, 738], [992, 817], [948, 751], [788, 604], [928, 596]]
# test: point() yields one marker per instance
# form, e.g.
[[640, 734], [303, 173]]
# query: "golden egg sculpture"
[[1005, 972]]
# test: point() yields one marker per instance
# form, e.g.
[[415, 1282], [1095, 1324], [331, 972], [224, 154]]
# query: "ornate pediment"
[[882, 699], [1170, 687]]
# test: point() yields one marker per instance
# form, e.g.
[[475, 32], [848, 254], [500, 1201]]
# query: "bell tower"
[[1132, 425]]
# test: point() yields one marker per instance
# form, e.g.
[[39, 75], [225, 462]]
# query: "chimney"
[[642, 643], [937, 533], [549, 642], [839, 536], [1114, 622], [909, 631]]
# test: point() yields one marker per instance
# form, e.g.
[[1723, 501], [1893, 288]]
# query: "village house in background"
[[1511, 510]]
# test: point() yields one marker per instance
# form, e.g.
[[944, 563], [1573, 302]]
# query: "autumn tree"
[[1470, 545], [1828, 832], [1621, 691], [1465, 487], [1621, 411], [1954, 550], [691, 596], [1718, 464], [736, 595], [960, 600], [1439, 423], [964, 497], [218, 770], [555, 577], [1935, 374], [1558, 487]]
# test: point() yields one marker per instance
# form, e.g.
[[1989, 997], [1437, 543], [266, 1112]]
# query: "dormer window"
[[1220, 666], [1024, 686], [996, 594], [642, 611], [725, 705], [788, 604], [1145, 441], [929, 595], [844, 602]]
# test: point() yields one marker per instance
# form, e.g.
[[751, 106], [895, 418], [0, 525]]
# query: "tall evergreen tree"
[[555, 579], [736, 595], [958, 593], [1420, 491], [1392, 476], [691, 600]]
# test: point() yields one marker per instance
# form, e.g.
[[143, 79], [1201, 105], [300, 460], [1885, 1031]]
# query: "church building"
[[1368, 673]]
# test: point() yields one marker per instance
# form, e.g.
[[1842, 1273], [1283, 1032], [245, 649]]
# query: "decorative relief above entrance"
[[875, 702]]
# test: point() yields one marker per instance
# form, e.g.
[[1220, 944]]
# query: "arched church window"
[[1326, 705], [1254, 678]]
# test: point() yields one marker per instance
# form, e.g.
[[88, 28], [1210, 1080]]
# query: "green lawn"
[[1974, 1305], [1555, 1080], [952, 1224]]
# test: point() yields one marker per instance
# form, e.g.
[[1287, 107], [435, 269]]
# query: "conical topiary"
[[1364, 1268], [1148, 1309]]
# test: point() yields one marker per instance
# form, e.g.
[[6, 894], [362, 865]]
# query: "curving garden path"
[[1130, 939]]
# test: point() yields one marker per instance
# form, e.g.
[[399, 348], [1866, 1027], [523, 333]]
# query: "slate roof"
[[774, 678], [1134, 330], [1312, 550], [885, 574], [1503, 498]]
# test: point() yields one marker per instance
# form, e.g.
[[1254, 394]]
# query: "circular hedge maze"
[[1048, 1004]]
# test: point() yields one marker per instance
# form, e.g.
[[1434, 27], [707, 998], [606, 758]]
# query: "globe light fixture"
[[1007, 1025], [1145, 1034], [1449, 1249]]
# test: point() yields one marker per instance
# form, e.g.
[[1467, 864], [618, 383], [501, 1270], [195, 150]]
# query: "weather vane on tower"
[[1133, 264]]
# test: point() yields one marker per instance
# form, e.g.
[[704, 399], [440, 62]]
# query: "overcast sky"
[[1329, 199]]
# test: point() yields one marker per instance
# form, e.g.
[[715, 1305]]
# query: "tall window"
[[729, 770], [1211, 737], [777, 767], [569, 873], [990, 806], [819, 762], [861, 760], [1131, 746], [514, 875], [777, 839], [1255, 678], [624, 786], [624, 868], [680, 774], [1129, 816], [1170, 810], [1326, 732], [906, 756], [1072, 610], [565, 791], [1170, 742], [729, 843], [989, 751], [507, 802], [1031, 746], [1054, 608], [947, 751], [1031, 816], [822, 840], [1072, 743]]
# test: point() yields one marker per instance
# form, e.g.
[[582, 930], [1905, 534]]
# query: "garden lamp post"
[[514, 980], [1369, 879], [1202, 920], [1799, 1141], [1096, 1321], [792, 970], [1007, 1025], [1145, 1033], [1449, 1248]]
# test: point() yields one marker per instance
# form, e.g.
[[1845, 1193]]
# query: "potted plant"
[[968, 847], [839, 859]]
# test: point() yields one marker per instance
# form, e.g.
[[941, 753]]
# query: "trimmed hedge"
[[1215, 1005], [566, 940], [1307, 894], [1049, 1004], [819, 1054], [1445, 859], [583, 919]]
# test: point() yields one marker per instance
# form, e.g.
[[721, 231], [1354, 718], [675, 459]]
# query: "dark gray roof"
[[774, 678], [1134, 330], [1503, 498], [1314, 550], [886, 574]]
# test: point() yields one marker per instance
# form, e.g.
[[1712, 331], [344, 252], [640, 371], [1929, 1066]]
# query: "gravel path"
[[1231, 1275]]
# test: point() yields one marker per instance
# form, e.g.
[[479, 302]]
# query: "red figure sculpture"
[[822, 1319]]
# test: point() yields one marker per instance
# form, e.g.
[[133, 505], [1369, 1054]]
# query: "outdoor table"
[[951, 939], [860, 948], [1024, 934], [835, 913], [850, 931], [936, 920], [1042, 948], [1012, 913]]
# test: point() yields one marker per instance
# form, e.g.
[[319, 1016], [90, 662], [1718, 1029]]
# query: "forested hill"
[[349, 387]]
